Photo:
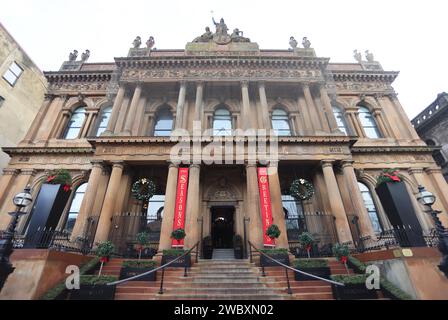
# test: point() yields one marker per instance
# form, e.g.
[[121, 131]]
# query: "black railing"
[[163, 267], [286, 267]]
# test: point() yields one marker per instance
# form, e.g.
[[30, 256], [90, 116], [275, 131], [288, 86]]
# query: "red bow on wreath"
[[308, 248], [394, 178], [104, 259], [50, 178], [66, 188], [344, 259]]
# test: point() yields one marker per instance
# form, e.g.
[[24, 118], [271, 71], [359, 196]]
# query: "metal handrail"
[[293, 269], [154, 270]]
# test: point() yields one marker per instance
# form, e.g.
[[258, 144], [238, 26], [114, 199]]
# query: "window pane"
[[75, 124], [75, 206], [105, 116], [164, 124], [15, 69], [222, 122], [10, 77], [368, 123], [280, 122], [340, 120], [370, 206]]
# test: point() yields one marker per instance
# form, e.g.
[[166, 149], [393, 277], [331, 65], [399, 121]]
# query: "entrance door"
[[222, 226]]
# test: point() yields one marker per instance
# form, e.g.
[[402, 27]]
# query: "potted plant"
[[397, 203], [273, 231], [341, 252], [171, 254], [207, 247], [104, 251], [132, 268], [317, 267], [47, 209], [306, 239], [238, 247], [354, 287], [142, 240], [94, 287], [279, 254], [178, 235]]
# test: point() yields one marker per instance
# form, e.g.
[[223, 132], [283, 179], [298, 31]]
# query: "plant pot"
[[323, 272], [127, 272], [398, 206], [179, 263], [281, 257], [93, 292], [45, 215], [353, 292]]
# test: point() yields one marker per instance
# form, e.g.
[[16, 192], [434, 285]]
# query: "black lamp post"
[[21, 200], [427, 198]]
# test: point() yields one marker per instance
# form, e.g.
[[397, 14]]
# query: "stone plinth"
[[232, 48]]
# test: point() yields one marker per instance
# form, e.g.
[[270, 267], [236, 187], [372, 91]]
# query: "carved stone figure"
[[306, 43], [150, 43], [357, 55], [73, 55], [369, 56], [205, 37], [85, 55], [221, 27], [137, 42], [237, 36], [293, 43]]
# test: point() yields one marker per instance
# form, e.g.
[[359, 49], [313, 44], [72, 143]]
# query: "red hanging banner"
[[265, 204], [181, 200]]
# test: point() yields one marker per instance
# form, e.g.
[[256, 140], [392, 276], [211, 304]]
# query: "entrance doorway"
[[222, 229]]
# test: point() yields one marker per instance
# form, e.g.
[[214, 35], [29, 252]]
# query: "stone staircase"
[[223, 254]]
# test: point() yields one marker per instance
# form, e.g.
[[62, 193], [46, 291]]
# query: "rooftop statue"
[[205, 37], [306, 43], [85, 56], [137, 42], [357, 55], [73, 55], [293, 43], [221, 27], [237, 36], [369, 56], [150, 43]]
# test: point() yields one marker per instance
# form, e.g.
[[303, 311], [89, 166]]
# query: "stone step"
[[225, 290], [167, 296], [313, 296]]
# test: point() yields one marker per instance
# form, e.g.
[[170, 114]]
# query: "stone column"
[[192, 208], [168, 211], [6, 182], [132, 110], [87, 123], [379, 120], [35, 125], [337, 206], [25, 178], [115, 111], [303, 110], [89, 199], [254, 226], [181, 105], [246, 105], [312, 109], [107, 211], [356, 198], [278, 214], [356, 124], [61, 125], [264, 106], [199, 99], [328, 109]]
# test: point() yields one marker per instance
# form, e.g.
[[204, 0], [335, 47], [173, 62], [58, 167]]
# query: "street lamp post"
[[427, 198], [21, 200]]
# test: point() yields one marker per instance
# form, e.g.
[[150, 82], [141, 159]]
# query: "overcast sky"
[[406, 36]]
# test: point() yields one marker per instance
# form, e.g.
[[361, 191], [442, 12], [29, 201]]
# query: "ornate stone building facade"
[[432, 126], [338, 125]]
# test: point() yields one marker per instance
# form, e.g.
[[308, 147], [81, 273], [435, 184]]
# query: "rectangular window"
[[13, 73]]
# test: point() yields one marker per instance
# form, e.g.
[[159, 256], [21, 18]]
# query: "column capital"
[[326, 163], [250, 165], [183, 83], [433, 170], [172, 164], [10, 172], [347, 163], [30, 172], [118, 164], [413, 171], [97, 163], [195, 165], [199, 83], [244, 83], [261, 83]]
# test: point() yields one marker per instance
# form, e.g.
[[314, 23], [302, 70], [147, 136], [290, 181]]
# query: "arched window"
[[370, 206], [295, 221], [75, 207], [368, 123], [103, 120], [75, 124], [164, 123], [340, 119], [280, 122], [222, 122]]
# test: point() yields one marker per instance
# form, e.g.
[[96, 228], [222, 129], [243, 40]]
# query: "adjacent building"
[[432, 126], [22, 89]]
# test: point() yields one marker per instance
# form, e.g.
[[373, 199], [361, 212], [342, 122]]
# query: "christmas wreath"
[[301, 189], [389, 175], [61, 176], [143, 189]]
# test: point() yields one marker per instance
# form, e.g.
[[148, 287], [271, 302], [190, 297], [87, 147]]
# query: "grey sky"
[[406, 36]]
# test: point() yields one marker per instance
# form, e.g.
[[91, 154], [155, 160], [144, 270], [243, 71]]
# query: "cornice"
[[365, 76], [78, 76], [43, 150], [391, 149]]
